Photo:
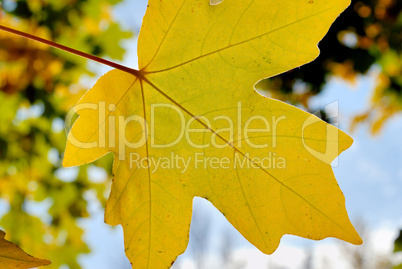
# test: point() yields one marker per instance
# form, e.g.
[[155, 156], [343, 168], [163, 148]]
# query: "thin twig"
[[77, 52]]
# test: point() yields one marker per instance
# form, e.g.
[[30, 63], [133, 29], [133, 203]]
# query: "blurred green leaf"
[[398, 243]]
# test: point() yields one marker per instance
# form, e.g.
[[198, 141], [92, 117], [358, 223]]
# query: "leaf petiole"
[[74, 51]]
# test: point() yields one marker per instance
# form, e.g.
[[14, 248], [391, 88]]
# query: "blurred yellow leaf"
[[189, 123], [11, 256]]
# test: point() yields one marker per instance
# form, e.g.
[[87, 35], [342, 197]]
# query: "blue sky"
[[369, 174]]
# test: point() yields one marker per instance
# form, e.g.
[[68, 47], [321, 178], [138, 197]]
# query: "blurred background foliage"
[[38, 86], [367, 35]]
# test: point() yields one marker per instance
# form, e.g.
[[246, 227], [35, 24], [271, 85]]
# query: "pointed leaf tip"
[[12, 256]]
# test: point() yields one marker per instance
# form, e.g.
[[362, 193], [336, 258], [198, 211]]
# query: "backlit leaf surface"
[[189, 123]]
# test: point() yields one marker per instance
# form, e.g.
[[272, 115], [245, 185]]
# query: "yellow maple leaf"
[[11, 256], [189, 123]]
